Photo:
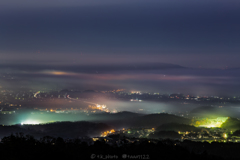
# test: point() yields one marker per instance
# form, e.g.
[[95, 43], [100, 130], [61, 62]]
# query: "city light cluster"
[[33, 122]]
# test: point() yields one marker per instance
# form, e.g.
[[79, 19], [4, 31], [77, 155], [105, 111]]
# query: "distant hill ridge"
[[155, 120]]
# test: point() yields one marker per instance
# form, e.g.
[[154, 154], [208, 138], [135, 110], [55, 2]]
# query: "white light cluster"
[[30, 122]]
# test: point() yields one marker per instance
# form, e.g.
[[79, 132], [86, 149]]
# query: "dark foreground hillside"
[[26, 147]]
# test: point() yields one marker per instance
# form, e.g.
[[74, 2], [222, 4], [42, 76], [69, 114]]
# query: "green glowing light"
[[225, 135], [209, 123]]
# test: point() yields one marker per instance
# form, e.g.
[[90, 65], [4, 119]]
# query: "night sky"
[[165, 45]]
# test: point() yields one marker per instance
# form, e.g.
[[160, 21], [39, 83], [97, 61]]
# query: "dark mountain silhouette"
[[129, 119], [154, 120], [62, 129], [177, 127], [232, 124]]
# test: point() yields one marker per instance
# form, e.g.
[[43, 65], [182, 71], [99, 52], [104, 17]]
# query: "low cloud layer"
[[165, 79]]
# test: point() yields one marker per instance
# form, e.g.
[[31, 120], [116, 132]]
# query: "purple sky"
[[192, 34], [188, 33]]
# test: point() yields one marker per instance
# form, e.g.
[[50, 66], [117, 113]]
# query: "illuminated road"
[[35, 94], [80, 100]]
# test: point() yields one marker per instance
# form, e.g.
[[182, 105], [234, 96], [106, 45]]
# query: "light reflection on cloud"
[[140, 76], [60, 73]]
